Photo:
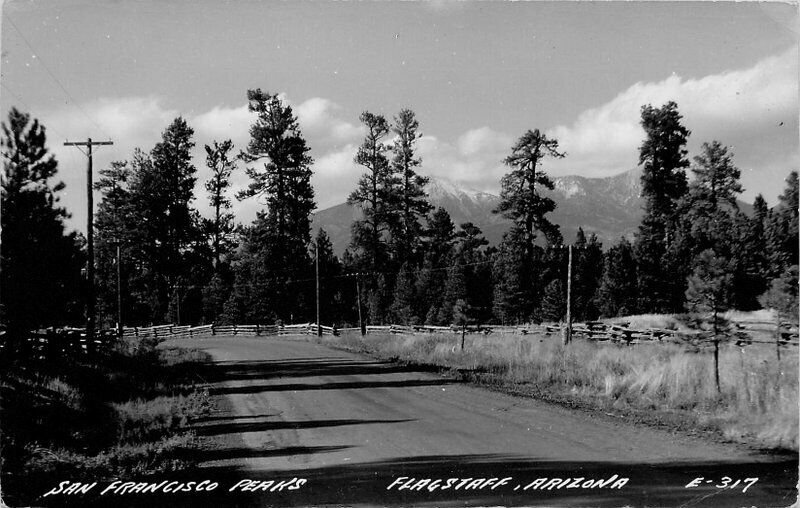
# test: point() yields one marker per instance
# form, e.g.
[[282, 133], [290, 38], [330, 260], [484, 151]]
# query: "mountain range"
[[609, 207]]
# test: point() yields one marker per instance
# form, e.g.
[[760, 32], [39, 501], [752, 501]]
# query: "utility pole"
[[568, 331], [316, 250], [89, 237], [119, 291]]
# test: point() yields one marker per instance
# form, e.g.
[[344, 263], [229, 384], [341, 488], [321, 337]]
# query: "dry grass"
[[757, 402]]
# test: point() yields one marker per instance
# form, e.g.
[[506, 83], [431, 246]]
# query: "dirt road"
[[361, 431]]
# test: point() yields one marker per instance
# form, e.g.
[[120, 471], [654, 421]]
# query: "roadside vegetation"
[[656, 383], [124, 413]]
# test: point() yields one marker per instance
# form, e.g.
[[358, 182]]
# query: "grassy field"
[[757, 404], [124, 413]]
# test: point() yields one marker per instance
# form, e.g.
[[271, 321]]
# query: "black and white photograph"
[[399, 253]]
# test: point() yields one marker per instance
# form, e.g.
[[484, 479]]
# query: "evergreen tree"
[[284, 180], [403, 303], [663, 160], [709, 215], [379, 300], [518, 284], [221, 227], [274, 258], [782, 296], [512, 301], [554, 301], [709, 291], [471, 251], [616, 295], [374, 193], [521, 200], [455, 289], [40, 263], [412, 203], [440, 235], [330, 293], [163, 226], [587, 271], [782, 230], [114, 222], [439, 241]]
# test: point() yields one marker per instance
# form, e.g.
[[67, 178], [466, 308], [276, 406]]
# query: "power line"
[[30, 110], [53, 76]]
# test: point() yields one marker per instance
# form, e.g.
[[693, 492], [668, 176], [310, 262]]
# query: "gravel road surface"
[[341, 428]]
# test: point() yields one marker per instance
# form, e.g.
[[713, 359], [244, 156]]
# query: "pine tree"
[[403, 302], [663, 160], [470, 250], [439, 235], [617, 295], [587, 271], [274, 258], [455, 289], [220, 228], [521, 199], [554, 301], [374, 193], [709, 290], [438, 246], [330, 293], [113, 222], [709, 217], [512, 299], [163, 225], [411, 199], [782, 230], [284, 179], [40, 263]]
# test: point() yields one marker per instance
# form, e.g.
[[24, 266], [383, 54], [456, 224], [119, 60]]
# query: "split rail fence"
[[52, 343]]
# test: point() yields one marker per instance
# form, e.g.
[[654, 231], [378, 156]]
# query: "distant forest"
[[408, 263]]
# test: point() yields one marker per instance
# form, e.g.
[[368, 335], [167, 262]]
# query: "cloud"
[[137, 122], [335, 176], [752, 110], [319, 120]]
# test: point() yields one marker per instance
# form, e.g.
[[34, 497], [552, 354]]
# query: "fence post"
[[258, 330], [234, 328]]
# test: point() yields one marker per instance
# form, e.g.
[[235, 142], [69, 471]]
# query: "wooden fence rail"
[[72, 341]]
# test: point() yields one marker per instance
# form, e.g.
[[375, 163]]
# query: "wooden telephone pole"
[[89, 237], [568, 331], [319, 325]]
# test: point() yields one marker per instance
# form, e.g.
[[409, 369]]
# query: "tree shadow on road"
[[302, 367], [346, 385], [236, 427]]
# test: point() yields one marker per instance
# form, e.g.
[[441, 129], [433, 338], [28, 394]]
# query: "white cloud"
[[335, 176], [222, 123], [754, 111], [319, 120], [475, 159], [736, 107]]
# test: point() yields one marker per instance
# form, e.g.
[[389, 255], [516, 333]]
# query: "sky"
[[477, 75]]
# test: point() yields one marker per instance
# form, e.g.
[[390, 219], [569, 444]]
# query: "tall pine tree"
[[40, 263], [274, 258], [663, 160], [412, 203], [374, 194], [522, 201]]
